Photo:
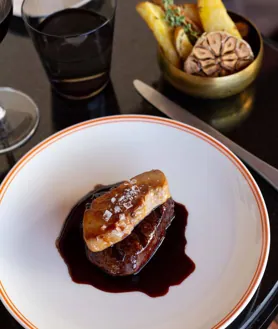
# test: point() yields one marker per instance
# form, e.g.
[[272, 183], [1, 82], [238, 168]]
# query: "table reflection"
[[67, 112]]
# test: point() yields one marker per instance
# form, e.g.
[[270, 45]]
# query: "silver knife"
[[175, 112]]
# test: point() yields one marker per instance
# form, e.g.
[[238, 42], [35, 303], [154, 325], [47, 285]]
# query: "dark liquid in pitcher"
[[78, 60]]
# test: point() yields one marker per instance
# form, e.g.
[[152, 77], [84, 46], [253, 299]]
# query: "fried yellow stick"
[[154, 16], [215, 18]]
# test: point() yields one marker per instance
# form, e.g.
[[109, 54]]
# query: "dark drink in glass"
[[74, 44]]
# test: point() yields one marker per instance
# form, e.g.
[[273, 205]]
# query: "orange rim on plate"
[[161, 121]]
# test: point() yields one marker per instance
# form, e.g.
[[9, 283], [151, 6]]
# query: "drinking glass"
[[74, 41], [19, 115]]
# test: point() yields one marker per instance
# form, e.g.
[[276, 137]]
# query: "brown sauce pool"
[[170, 266]]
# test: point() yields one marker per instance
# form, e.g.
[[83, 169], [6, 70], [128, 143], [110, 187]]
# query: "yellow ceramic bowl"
[[215, 88]]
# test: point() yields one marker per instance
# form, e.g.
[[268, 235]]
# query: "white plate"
[[228, 231], [48, 4]]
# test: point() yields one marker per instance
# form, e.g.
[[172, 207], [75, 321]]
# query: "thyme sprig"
[[168, 3], [175, 18], [189, 30]]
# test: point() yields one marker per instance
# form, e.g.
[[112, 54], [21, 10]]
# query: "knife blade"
[[174, 111]]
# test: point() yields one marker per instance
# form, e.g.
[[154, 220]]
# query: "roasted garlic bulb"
[[218, 54]]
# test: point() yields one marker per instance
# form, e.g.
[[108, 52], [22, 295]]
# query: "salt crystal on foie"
[[117, 209], [135, 188], [127, 205], [107, 215]]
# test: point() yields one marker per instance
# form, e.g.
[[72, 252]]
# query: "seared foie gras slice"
[[113, 216]]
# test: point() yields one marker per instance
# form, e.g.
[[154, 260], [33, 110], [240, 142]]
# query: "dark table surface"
[[250, 119]]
